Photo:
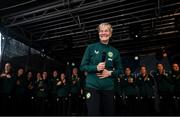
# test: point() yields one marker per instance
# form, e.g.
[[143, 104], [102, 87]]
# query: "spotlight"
[[135, 30], [136, 58], [162, 53], [1, 36], [43, 53], [73, 64], [42, 50]]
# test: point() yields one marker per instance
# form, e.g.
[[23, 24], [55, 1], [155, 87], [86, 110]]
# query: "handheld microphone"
[[103, 57]]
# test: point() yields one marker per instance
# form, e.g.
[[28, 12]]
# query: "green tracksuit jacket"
[[92, 57]]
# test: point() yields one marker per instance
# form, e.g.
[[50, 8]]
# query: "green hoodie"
[[92, 57]]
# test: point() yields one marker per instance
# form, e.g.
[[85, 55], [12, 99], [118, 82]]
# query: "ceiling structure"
[[63, 28]]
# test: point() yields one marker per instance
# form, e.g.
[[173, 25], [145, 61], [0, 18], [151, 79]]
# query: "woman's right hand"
[[101, 66]]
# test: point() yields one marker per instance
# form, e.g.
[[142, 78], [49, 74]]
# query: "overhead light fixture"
[[136, 57], [135, 31], [73, 64], [67, 63], [43, 53], [162, 53]]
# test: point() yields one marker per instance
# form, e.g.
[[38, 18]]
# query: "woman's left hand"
[[105, 73]]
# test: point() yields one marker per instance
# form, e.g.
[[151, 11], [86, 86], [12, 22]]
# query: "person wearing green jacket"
[[7, 84], [129, 91], [175, 75], [20, 93], [103, 64], [165, 88], [30, 90], [146, 92], [75, 91], [41, 93], [63, 91], [52, 92], [119, 102]]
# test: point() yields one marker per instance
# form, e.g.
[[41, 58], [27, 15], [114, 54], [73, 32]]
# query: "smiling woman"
[[102, 63], [105, 32]]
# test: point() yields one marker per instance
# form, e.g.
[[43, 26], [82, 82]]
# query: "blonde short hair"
[[105, 24]]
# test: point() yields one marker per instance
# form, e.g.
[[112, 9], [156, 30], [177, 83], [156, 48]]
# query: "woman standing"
[[102, 62]]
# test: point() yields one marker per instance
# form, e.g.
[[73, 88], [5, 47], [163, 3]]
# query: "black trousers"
[[167, 105], [41, 106], [145, 106], [130, 105], [6, 105], [30, 107], [53, 105], [177, 105], [62, 106], [75, 103], [120, 105], [100, 102], [19, 105]]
